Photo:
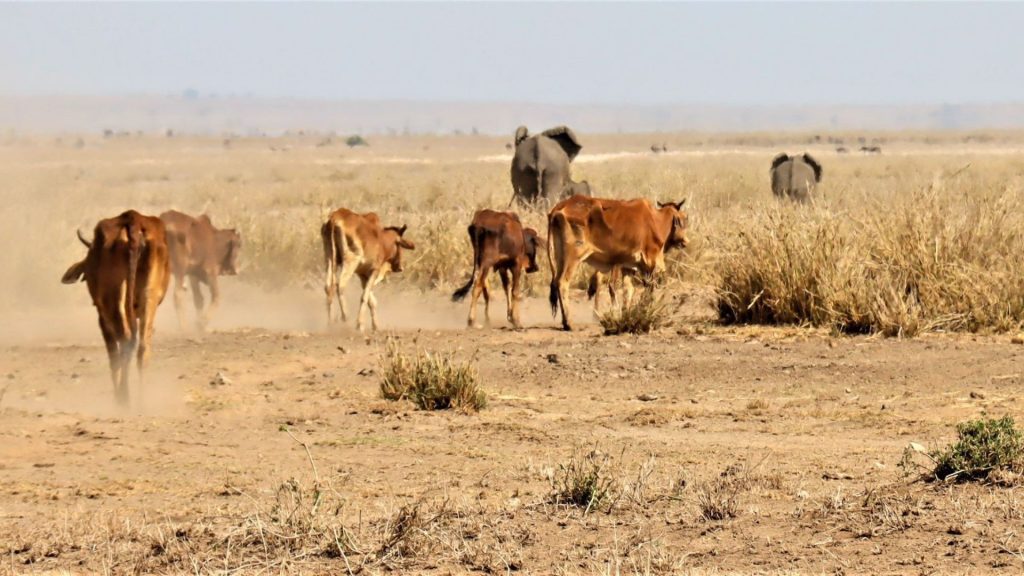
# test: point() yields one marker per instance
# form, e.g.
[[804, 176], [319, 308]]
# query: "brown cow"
[[358, 244], [200, 252], [500, 243], [608, 234], [126, 271]]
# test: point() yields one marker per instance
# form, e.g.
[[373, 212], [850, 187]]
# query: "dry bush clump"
[[428, 532], [588, 480], [719, 498], [430, 381], [930, 261], [300, 524], [641, 316], [983, 446]]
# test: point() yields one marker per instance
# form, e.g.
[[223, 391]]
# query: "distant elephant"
[[540, 165], [795, 177]]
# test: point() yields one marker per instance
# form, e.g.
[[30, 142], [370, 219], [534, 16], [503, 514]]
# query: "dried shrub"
[[430, 381], [641, 316], [587, 480]]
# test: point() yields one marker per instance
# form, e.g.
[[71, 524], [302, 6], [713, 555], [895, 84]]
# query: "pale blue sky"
[[720, 53]]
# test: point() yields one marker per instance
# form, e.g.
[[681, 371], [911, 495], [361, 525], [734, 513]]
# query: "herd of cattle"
[[132, 257]]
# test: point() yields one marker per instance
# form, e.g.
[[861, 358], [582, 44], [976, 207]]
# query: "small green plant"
[[983, 446], [356, 140], [641, 316], [586, 480], [430, 381]]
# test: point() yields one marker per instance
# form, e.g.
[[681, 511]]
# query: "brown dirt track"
[[815, 424]]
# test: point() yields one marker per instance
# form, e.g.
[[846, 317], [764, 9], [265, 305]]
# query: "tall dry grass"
[[923, 237]]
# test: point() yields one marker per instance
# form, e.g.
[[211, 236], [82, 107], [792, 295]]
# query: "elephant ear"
[[782, 157], [521, 134], [566, 139], [814, 166]]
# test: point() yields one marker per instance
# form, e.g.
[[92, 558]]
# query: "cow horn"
[[83, 240]]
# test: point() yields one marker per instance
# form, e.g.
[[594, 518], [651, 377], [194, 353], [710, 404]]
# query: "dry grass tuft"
[[719, 498], [647, 313], [430, 381], [587, 481], [930, 261]]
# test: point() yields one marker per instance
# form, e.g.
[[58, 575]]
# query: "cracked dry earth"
[[729, 450]]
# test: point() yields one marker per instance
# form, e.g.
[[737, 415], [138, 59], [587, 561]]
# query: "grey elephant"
[[540, 165], [795, 177]]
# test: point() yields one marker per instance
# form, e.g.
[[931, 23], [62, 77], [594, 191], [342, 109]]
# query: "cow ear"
[[679, 206], [75, 273], [403, 243]]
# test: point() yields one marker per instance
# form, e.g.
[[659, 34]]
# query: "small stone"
[[342, 349], [552, 358], [647, 397], [977, 395], [220, 380], [1018, 339]]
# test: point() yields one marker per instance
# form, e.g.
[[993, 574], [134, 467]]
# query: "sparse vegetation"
[[719, 497], [644, 314], [983, 446], [587, 480], [356, 140], [431, 381]]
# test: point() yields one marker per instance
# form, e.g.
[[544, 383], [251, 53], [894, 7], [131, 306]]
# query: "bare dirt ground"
[[800, 431]]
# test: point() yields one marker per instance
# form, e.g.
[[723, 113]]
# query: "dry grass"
[[430, 381], [896, 244], [644, 314]]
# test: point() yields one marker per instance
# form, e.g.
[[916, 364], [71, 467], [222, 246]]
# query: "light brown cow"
[[607, 234], [127, 272], [202, 253], [358, 244], [499, 243]]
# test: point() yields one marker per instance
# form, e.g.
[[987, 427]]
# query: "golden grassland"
[[925, 236]]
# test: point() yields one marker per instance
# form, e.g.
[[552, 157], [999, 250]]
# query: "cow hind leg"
[[485, 273], [112, 338], [197, 300], [179, 296], [214, 299], [480, 288]]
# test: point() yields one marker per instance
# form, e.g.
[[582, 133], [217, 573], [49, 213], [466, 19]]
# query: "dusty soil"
[[800, 432]]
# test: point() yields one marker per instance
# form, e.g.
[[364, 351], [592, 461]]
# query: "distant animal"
[[795, 177], [126, 271], [508, 146], [581, 188], [200, 252], [501, 243], [871, 149], [358, 244], [841, 150], [657, 149], [607, 234], [540, 165]]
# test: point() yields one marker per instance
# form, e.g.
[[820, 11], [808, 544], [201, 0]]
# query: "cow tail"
[[136, 244], [331, 249], [475, 238], [556, 227]]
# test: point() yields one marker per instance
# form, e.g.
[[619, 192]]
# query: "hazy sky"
[[787, 53]]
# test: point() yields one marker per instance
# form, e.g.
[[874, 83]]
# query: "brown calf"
[[126, 271], [499, 243], [202, 253], [358, 244], [608, 234]]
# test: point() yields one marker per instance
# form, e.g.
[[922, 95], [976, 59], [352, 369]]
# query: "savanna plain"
[[781, 421]]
